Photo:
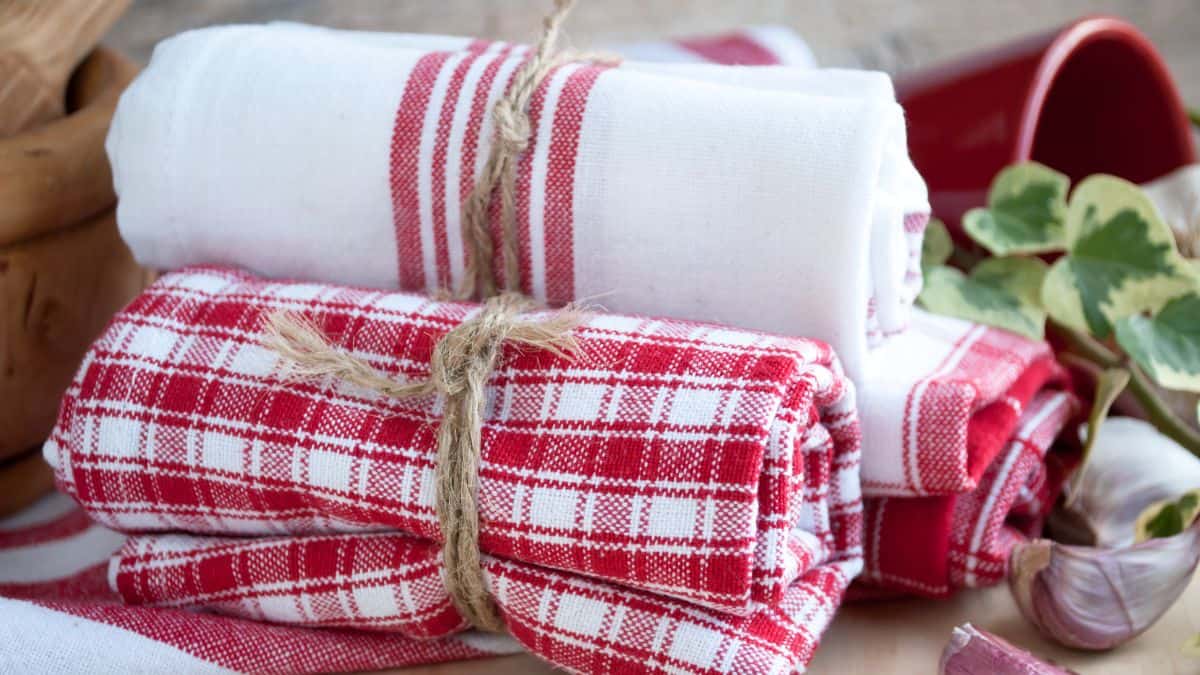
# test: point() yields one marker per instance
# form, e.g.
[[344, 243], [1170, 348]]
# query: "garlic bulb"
[[1177, 197], [1098, 598], [972, 651], [1131, 466]]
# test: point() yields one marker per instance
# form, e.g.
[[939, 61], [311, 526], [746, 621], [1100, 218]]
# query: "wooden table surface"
[[893, 35], [907, 637]]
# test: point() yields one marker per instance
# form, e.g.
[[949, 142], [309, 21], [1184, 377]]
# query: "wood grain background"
[[893, 35]]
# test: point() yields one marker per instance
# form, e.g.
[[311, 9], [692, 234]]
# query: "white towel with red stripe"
[[958, 423], [779, 199], [679, 498]]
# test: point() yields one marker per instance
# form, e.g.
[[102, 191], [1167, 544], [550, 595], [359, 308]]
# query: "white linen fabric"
[[778, 199]]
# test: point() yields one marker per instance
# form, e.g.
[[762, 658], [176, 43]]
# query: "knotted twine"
[[464, 358]]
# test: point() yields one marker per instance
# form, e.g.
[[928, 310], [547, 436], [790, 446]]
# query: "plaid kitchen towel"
[[61, 616], [681, 497], [777, 199], [958, 419], [941, 402], [933, 546]]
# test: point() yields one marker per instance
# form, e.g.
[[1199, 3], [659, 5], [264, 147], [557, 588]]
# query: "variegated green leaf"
[[1001, 292], [1167, 345], [1121, 259], [1169, 517], [1026, 207], [937, 246], [1109, 386]]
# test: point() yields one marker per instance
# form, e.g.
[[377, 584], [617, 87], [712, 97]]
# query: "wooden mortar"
[[64, 270], [57, 175]]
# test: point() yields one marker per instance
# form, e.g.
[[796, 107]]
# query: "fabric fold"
[[778, 199], [958, 424], [676, 477]]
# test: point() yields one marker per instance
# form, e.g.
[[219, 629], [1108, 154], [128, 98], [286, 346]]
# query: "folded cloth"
[[941, 402], [60, 616], [680, 497], [778, 199], [933, 546], [957, 422]]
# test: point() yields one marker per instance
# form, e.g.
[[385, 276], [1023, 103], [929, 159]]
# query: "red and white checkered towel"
[[777, 199], [958, 419], [61, 616], [681, 498]]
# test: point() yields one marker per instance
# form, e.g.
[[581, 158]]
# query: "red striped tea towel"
[[940, 403], [778, 199], [60, 616], [935, 545], [957, 421], [686, 495]]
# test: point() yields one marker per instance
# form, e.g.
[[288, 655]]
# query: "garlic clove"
[[1098, 598], [1131, 466], [1177, 198], [972, 651]]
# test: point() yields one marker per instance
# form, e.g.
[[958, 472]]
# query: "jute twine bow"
[[465, 357]]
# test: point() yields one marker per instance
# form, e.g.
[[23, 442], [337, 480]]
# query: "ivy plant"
[[1096, 266]]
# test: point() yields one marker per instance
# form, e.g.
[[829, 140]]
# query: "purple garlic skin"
[[971, 651], [1098, 598]]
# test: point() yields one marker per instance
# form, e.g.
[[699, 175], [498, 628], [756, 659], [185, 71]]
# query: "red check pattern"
[[935, 545], [36, 594], [391, 582], [714, 470]]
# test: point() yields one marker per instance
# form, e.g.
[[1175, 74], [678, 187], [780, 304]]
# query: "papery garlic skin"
[[1098, 598], [972, 651], [1177, 198], [1132, 465]]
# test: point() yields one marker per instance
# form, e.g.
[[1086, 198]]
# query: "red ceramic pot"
[[1093, 97]]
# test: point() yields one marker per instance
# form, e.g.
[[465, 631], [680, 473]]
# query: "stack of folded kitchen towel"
[[687, 494]]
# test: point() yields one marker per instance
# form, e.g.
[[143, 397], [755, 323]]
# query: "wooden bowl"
[[57, 175], [59, 292], [64, 270]]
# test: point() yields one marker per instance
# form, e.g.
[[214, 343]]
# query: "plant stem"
[[1157, 411]]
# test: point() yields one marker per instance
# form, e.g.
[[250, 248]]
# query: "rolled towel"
[[700, 482], [958, 419], [777, 199]]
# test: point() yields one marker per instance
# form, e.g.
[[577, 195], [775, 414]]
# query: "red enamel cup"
[[1093, 97]]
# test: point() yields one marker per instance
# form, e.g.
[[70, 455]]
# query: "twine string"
[[465, 357]]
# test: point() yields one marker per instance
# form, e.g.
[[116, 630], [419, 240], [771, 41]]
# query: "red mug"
[[1093, 97]]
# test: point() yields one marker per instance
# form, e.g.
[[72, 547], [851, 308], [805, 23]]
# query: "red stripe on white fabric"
[[404, 171], [473, 137], [72, 522], [559, 220], [450, 103], [256, 647], [933, 546], [732, 49], [525, 179]]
